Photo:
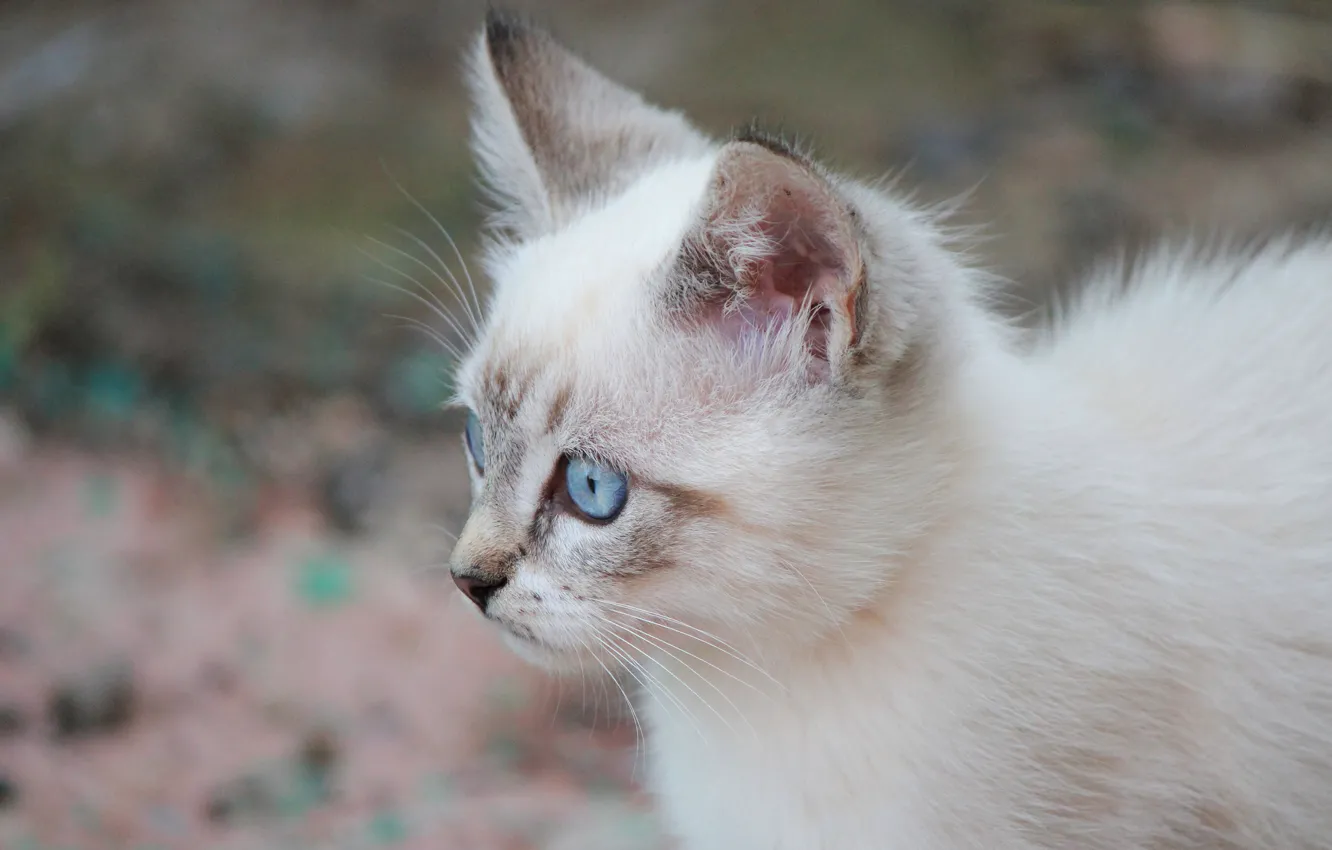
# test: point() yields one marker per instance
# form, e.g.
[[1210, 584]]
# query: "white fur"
[[1121, 621], [1069, 594]]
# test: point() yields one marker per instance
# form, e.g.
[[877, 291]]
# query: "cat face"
[[684, 361]]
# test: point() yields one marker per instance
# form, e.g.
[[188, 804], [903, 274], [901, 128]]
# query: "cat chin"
[[542, 655]]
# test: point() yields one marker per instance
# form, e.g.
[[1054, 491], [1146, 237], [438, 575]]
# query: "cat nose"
[[479, 589]]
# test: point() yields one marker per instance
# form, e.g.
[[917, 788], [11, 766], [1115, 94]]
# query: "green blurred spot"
[[8, 359], [329, 361], [506, 750], [509, 694], [101, 494], [1128, 132], [112, 392], [388, 828], [203, 450], [308, 789], [438, 787], [602, 786], [104, 223], [179, 429], [421, 383], [52, 390], [252, 650], [86, 816], [325, 580], [33, 296], [638, 826], [209, 263], [167, 819]]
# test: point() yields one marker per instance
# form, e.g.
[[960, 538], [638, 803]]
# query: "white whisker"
[[582, 693], [559, 698], [444, 231], [409, 293], [431, 334], [670, 649], [645, 679], [387, 266], [638, 725], [452, 283], [625, 644], [822, 601], [452, 535], [472, 312], [701, 635]]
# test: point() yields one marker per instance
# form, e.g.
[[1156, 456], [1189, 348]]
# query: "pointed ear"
[[551, 134], [777, 251]]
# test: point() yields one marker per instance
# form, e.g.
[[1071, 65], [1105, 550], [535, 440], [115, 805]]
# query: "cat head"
[[707, 391]]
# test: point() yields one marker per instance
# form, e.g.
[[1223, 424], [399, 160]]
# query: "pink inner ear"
[[777, 252], [799, 267]]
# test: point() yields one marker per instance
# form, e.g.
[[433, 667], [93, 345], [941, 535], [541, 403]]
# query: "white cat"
[[888, 575]]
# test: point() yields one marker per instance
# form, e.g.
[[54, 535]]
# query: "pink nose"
[[479, 589]]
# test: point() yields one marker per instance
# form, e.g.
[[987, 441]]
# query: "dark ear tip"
[[505, 30]]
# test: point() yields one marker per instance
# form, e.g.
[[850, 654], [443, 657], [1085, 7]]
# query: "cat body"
[[1118, 640], [886, 573]]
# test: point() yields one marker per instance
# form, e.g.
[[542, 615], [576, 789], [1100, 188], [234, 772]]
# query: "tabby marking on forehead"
[[506, 386], [559, 408]]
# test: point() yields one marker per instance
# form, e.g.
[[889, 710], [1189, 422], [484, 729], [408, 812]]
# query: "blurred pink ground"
[[242, 651]]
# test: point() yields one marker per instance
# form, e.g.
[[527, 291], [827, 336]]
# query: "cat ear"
[[551, 134], [777, 250]]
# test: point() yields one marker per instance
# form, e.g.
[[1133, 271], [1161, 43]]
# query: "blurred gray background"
[[223, 470]]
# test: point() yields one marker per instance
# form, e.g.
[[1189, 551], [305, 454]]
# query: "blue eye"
[[598, 492], [475, 445]]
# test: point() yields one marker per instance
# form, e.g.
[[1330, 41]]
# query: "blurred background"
[[224, 476]]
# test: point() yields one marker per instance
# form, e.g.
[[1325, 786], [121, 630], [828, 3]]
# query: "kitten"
[[887, 575]]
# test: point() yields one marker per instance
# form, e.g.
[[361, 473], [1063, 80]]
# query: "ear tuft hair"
[[771, 139]]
